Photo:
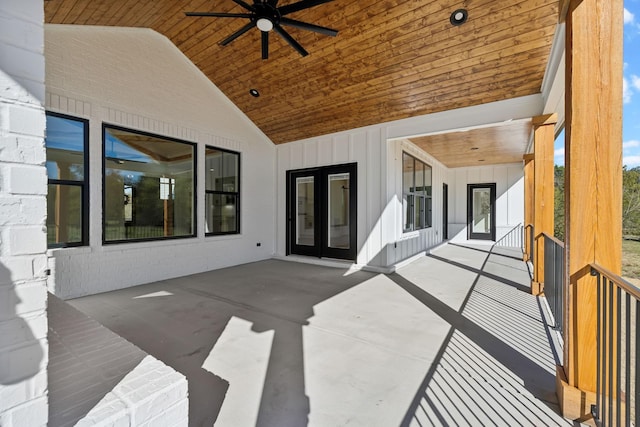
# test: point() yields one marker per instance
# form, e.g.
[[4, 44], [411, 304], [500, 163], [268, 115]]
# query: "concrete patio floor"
[[451, 339]]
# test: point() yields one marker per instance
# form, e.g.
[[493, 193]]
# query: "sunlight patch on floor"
[[366, 352], [155, 294], [241, 357]]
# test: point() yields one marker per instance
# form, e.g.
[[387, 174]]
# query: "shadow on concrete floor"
[[450, 339]]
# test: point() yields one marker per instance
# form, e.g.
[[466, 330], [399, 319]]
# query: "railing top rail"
[[623, 284], [557, 242]]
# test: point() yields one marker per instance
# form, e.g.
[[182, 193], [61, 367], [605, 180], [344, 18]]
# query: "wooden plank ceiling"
[[392, 59], [504, 143]]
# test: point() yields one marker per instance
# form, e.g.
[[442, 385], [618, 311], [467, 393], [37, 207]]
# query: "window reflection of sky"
[[65, 145], [65, 134]]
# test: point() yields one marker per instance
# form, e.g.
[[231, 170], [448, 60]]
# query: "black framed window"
[[416, 193], [67, 145], [149, 184], [222, 191]]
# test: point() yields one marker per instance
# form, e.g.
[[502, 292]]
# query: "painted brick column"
[[23, 243]]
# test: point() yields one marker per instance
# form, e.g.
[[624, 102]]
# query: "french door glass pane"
[[481, 210], [305, 208], [338, 209]]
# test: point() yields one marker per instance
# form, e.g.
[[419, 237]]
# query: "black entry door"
[[481, 211], [445, 212], [321, 209]]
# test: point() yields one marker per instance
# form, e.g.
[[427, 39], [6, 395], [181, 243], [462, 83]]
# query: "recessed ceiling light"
[[459, 17], [254, 93]]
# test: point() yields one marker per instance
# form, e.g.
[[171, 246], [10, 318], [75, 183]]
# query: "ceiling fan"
[[267, 16]]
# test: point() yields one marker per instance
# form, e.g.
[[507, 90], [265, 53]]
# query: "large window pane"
[[419, 179], [222, 187], [64, 214], [66, 144], [407, 190], [428, 189], [148, 186], [65, 148], [221, 213], [416, 193]]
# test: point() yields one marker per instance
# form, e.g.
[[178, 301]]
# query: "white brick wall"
[[97, 378], [138, 79], [23, 188]]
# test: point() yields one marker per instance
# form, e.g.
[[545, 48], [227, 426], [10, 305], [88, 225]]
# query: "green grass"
[[631, 259]]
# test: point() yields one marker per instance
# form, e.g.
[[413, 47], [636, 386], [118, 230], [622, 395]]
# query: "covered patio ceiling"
[[494, 144], [390, 60]]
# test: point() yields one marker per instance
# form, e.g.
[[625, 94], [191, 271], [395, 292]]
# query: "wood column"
[[593, 183], [543, 145], [528, 205]]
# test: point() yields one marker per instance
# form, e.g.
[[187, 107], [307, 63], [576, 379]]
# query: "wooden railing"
[[618, 340]]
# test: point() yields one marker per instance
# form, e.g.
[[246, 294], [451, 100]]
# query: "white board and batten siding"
[[367, 148], [378, 150], [509, 180]]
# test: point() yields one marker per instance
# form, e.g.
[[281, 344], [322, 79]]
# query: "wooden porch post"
[[593, 183], [543, 139], [528, 204]]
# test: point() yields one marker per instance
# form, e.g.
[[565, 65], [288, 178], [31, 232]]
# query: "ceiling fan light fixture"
[[264, 25], [458, 17]]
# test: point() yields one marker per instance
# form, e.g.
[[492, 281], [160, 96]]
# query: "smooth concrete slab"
[[450, 339]]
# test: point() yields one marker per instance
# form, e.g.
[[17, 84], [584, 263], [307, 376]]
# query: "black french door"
[[481, 211], [321, 211]]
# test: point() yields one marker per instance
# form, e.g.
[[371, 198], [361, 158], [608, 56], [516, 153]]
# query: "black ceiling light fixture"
[[459, 17], [254, 93], [267, 16]]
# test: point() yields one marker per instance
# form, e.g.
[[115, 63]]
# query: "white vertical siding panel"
[[359, 151], [341, 148], [474, 176], [376, 203], [283, 164], [460, 196], [297, 155], [325, 151], [310, 154], [501, 178], [516, 192]]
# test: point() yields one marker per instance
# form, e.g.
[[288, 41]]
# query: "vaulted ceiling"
[[391, 59]]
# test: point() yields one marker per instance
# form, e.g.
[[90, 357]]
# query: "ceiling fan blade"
[[220, 14], [265, 44], [309, 27], [304, 4], [245, 5], [238, 33], [294, 44]]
